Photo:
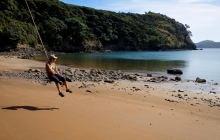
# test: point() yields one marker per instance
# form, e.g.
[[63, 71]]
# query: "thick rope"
[[37, 30]]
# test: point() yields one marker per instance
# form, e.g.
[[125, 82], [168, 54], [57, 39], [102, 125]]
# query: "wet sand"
[[121, 110]]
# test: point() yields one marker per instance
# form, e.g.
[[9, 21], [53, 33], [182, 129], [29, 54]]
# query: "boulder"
[[178, 78], [198, 80], [174, 71]]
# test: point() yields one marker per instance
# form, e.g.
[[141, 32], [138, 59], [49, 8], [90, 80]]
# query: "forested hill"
[[208, 44], [71, 28]]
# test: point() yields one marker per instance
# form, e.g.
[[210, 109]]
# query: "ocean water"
[[197, 63]]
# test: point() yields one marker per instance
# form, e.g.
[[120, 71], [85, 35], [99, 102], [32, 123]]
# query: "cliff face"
[[71, 28]]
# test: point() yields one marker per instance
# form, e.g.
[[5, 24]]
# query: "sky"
[[203, 16]]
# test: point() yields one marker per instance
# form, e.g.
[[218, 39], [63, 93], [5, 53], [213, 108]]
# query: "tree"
[[51, 31], [12, 34], [18, 32], [76, 31], [189, 32]]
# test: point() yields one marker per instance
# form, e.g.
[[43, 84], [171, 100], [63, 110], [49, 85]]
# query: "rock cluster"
[[184, 97], [23, 52], [93, 75], [158, 79]]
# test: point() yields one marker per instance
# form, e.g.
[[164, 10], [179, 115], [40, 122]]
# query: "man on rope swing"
[[55, 76]]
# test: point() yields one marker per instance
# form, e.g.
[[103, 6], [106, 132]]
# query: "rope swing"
[[36, 30]]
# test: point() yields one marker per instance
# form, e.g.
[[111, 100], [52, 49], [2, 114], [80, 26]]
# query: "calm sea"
[[198, 63]]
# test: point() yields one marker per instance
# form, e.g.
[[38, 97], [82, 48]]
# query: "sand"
[[123, 110]]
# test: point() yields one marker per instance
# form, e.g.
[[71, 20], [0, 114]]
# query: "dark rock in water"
[[178, 78], [174, 71], [198, 80], [149, 75], [213, 92]]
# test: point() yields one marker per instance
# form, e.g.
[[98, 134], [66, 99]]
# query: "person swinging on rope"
[[55, 76]]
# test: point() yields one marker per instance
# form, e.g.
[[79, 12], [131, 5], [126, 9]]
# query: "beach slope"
[[122, 110]]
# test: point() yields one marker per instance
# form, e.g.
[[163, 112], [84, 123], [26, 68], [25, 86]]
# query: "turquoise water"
[[198, 63]]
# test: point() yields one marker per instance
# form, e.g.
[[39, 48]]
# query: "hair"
[[51, 58]]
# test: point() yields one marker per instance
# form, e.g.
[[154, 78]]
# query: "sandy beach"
[[123, 110]]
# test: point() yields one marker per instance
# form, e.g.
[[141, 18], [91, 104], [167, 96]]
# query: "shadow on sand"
[[31, 108]]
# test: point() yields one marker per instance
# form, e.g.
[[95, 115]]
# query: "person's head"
[[52, 58]]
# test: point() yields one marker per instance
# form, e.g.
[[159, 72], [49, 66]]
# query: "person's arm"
[[55, 69], [50, 69]]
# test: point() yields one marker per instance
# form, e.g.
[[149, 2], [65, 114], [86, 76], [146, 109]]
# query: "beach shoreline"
[[122, 109]]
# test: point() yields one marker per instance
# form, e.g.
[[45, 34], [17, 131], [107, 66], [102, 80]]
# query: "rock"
[[149, 75], [174, 71], [31, 70], [198, 80], [178, 78], [69, 73], [136, 74], [135, 89], [164, 77], [37, 70], [180, 91], [171, 79], [169, 100], [213, 92], [89, 91], [109, 81], [129, 77]]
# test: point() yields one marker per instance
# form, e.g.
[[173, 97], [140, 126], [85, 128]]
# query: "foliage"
[[17, 32], [62, 25]]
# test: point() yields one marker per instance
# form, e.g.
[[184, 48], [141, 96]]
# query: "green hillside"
[[208, 44], [71, 28]]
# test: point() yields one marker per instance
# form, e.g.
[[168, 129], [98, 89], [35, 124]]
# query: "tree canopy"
[[73, 28]]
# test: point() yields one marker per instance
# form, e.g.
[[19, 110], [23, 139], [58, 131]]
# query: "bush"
[[19, 32]]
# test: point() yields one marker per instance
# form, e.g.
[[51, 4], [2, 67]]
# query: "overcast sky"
[[203, 16]]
